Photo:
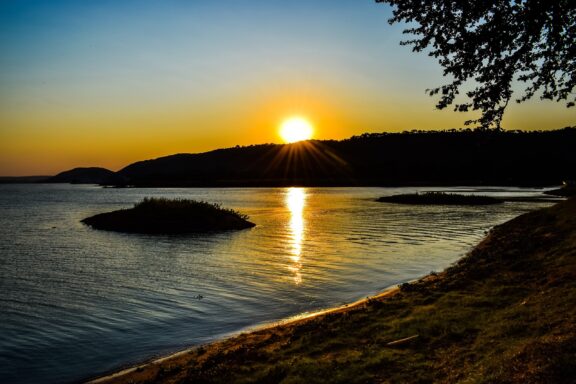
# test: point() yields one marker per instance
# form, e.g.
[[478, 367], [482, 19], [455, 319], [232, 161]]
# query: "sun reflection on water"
[[296, 200]]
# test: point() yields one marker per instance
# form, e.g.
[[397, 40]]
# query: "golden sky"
[[109, 83]]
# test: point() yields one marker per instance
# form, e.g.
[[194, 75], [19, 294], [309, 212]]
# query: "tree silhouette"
[[492, 44]]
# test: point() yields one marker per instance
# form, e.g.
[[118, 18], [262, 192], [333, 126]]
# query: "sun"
[[296, 129]]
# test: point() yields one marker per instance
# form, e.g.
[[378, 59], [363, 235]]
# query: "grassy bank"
[[504, 314]]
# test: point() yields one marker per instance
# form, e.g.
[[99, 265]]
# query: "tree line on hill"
[[449, 157]]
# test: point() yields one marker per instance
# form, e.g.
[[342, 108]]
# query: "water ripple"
[[77, 302]]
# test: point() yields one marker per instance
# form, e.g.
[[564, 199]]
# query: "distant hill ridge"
[[410, 158], [91, 175]]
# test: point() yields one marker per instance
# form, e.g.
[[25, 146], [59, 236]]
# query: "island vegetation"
[[161, 215], [502, 314], [439, 198]]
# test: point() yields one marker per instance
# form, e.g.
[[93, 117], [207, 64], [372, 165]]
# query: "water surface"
[[77, 302]]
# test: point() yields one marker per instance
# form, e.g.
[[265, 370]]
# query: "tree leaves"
[[494, 43]]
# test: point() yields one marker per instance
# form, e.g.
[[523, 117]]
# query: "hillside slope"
[[91, 175], [420, 158]]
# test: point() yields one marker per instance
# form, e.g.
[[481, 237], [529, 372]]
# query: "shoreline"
[[293, 320], [502, 313]]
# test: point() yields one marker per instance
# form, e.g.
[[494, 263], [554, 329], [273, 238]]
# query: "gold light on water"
[[295, 200]]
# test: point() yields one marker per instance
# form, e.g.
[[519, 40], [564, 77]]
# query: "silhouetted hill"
[[409, 158], [92, 175]]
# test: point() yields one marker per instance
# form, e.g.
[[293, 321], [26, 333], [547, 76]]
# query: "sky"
[[109, 82]]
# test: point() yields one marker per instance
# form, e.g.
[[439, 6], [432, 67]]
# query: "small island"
[[168, 216], [439, 198]]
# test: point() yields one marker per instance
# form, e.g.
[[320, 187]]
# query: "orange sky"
[[138, 81]]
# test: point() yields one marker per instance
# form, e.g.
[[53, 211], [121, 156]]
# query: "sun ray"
[[296, 164]]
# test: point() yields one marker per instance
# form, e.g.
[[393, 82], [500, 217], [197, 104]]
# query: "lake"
[[77, 302]]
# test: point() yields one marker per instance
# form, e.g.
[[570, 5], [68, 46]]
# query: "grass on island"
[[504, 314], [162, 215], [439, 198], [183, 208]]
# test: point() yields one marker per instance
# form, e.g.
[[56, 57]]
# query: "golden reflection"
[[295, 200]]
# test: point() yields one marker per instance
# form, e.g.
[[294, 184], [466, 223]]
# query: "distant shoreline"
[[23, 179], [418, 158], [284, 184]]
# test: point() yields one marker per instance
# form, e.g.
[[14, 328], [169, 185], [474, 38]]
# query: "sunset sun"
[[296, 129]]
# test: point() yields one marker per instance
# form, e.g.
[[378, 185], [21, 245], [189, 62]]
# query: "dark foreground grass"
[[505, 313], [439, 198], [161, 215]]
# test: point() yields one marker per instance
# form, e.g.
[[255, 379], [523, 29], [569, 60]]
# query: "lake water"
[[77, 302]]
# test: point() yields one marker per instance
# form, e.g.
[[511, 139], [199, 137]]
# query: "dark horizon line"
[[449, 131]]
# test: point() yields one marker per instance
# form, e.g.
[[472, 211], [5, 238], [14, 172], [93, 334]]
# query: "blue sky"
[[140, 79]]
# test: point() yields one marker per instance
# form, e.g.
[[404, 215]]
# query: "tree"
[[491, 44]]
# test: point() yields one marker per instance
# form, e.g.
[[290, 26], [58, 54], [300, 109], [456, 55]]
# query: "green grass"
[[503, 314]]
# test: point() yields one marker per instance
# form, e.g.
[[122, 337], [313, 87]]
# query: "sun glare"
[[296, 129]]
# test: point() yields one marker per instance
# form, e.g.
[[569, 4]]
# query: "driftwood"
[[402, 341]]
